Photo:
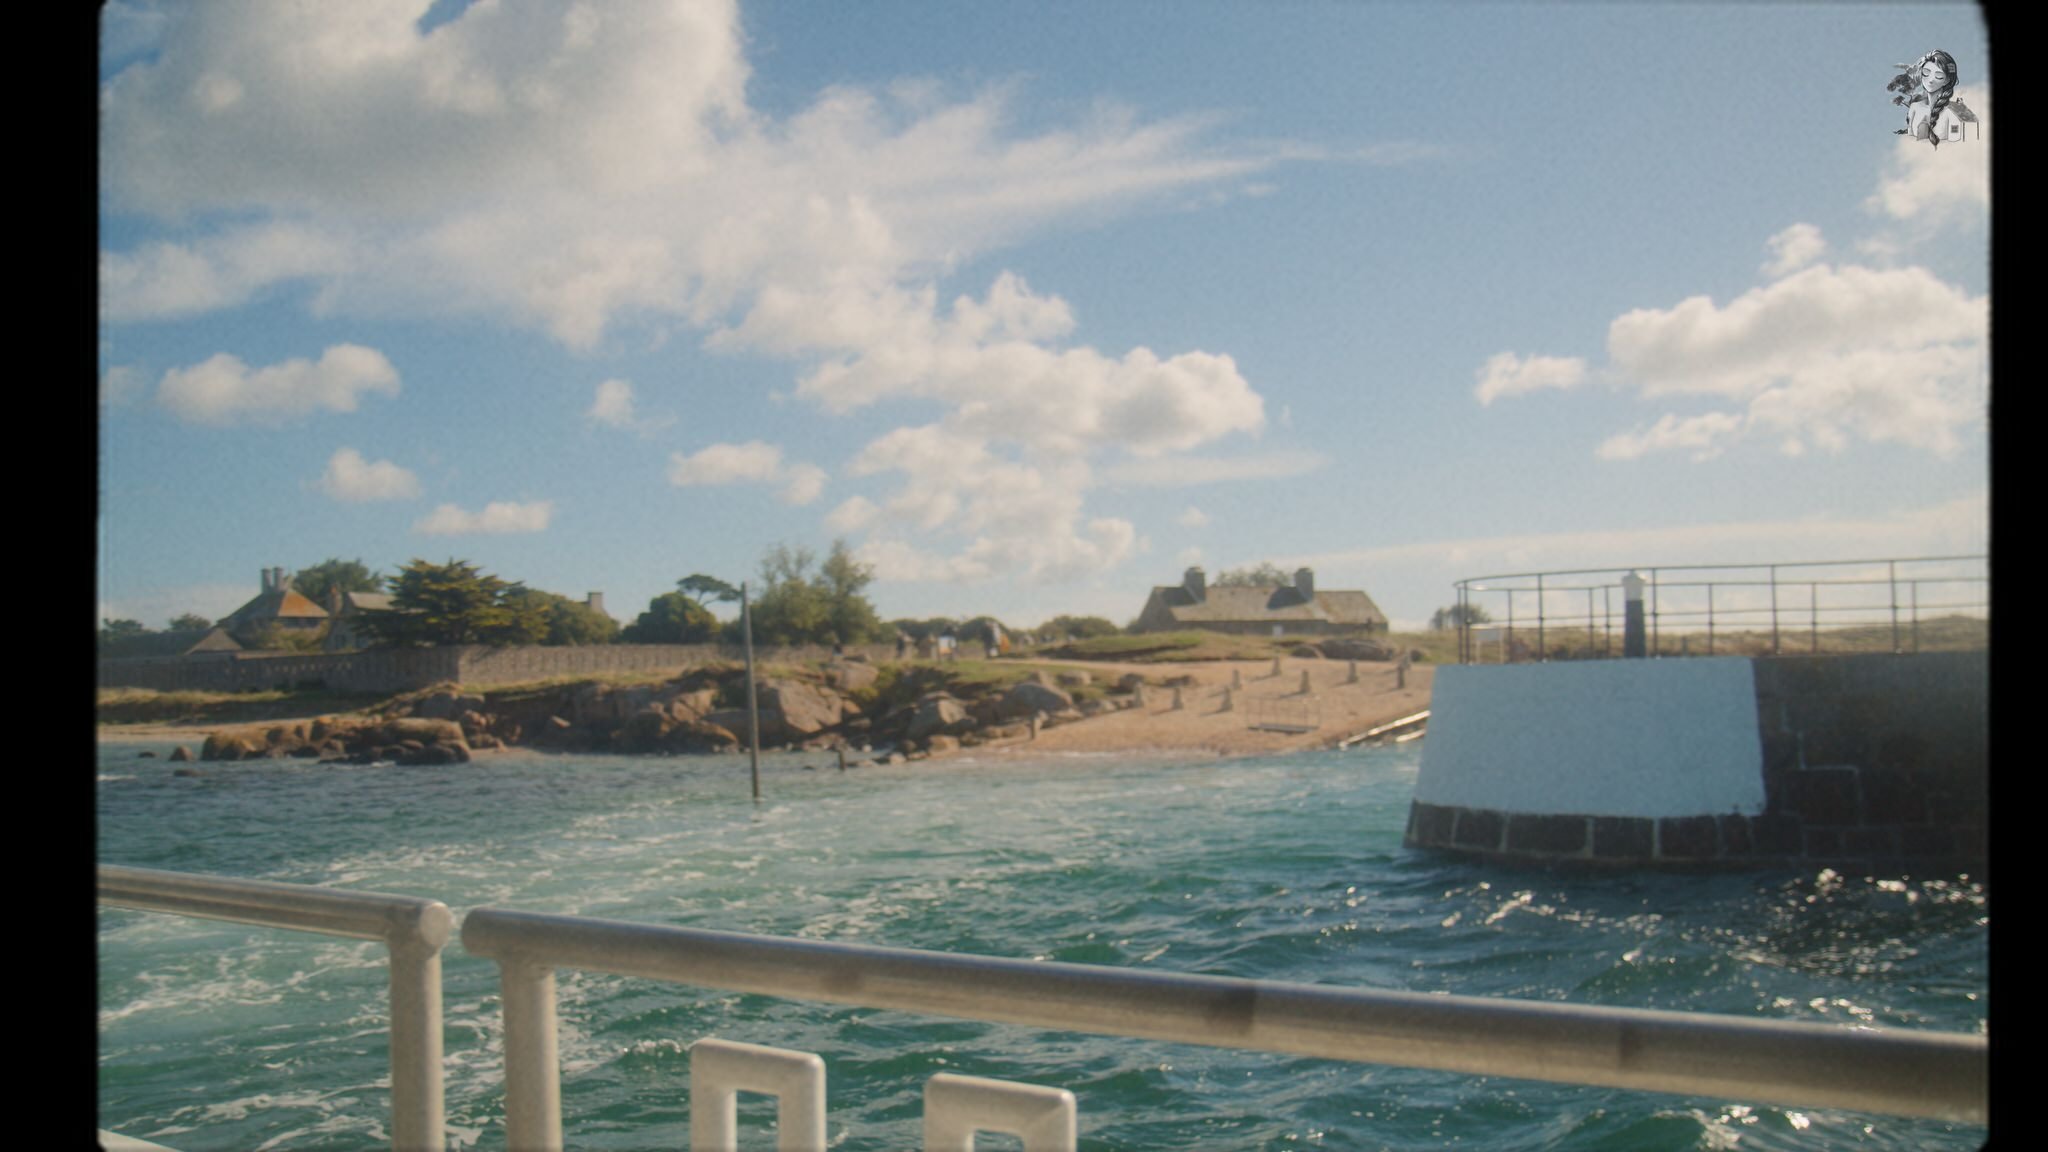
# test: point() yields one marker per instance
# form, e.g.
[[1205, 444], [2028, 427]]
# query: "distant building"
[[191, 642], [1296, 609], [346, 610], [279, 605]]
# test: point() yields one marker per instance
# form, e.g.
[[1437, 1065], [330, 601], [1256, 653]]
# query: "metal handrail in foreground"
[[1944, 1075], [415, 930]]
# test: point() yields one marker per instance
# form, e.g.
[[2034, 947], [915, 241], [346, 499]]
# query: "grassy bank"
[[146, 706]]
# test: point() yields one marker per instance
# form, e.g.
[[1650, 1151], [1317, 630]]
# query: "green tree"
[[707, 589], [455, 603], [921, 629], [852, 619], [190, 622], [671, 618], [1079, 627], [347, 575], [1264, 574], [792, 607], [565, 622], [1453, 615], [113, 633]]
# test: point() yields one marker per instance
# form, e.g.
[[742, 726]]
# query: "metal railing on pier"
[[1890, 605], [415, 931]]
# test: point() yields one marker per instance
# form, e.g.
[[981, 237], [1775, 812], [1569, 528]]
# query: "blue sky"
[[1032, 305]]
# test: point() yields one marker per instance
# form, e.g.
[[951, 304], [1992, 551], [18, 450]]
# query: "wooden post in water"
[[753, 704]]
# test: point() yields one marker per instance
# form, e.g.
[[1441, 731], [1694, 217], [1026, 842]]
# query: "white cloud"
[[351, 478], [854, 514], [167, 281], [120, 384], [994, 364], [613, 405], [802, 484], [1187, 471], [223, 390], [570, 166], [1189, 557], [497, 518], [1793, 249], [1835, 354], [575, 169], [1506, 374], [1706, 435], [754, 461], [1192, 518], [1008, 517]]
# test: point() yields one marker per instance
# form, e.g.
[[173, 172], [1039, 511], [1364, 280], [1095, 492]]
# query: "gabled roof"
[[1270, 604], [285, 603], [366, 602]]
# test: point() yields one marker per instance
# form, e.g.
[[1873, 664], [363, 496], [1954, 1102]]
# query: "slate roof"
[[285, 603]]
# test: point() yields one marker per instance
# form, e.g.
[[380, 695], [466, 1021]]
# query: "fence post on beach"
[[1276, 667], [1236, 678], [1227, 701], [1304, 682], [1035, 718], [1353, 677], [1176, 706]]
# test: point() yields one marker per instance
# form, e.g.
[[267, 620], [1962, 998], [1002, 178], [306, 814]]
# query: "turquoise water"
[[214, 1036]]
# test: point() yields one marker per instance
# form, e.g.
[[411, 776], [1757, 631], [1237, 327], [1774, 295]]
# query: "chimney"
[[266, 578], [1305, 583], [595, 602], [1197, 584]]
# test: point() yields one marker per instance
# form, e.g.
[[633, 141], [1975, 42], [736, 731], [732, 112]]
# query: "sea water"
[[218, 1036]]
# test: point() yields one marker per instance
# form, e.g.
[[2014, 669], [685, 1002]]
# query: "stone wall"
[[402, 670], [1865, 761]]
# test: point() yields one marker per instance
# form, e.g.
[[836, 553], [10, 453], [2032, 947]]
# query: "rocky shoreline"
[[900, 712]]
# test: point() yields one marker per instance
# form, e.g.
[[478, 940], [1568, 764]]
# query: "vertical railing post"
[[1914, 587], [1892, 574], [1710, 618], [418, 1119], [1508, 656], [533, 1069], [1542, 650], [1607, 619], [1590, 646], [753, 704], [1656, 635], [1774, 609], [1813, 616], [1632, 647]]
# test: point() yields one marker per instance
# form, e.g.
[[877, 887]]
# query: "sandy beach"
[[1336, 706]]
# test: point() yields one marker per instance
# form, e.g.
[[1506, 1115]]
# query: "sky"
[[1031, 305]]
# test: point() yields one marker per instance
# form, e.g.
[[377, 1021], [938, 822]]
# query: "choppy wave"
[[1288, 869]]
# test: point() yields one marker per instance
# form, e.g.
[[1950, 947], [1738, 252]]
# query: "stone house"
[[279, 604], [1297, 609]]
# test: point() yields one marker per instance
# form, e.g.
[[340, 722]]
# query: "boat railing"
[[1944, 1075], [1795, 1064], [414, 930]]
